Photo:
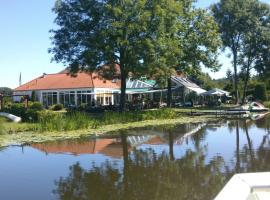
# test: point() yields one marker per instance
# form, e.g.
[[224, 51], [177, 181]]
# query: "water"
[[184, 162]]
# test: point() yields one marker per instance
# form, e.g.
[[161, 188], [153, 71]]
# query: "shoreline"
[[23, 138]]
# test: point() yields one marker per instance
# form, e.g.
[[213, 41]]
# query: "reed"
[[51, 121]]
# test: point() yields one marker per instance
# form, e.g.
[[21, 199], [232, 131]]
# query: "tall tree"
[[262, 63], [196, 43], [231, 16], [254, 40], [92, 33]]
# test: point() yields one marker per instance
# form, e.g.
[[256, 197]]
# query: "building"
[[84, 88], [92, 89]]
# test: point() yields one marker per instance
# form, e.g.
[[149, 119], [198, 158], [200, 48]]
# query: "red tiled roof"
[[108, 147], [74, 147], [65, 81]]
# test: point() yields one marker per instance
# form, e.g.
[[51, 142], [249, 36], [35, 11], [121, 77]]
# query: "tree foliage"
[[244, 28], [129, 33], [5, 91], [260, 92], [153, 38]]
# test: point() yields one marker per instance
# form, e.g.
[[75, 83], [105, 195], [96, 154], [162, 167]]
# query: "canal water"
[[185, 162]]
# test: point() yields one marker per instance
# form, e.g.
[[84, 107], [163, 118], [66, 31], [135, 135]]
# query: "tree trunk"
[[169, 92], [126, 163], [171, 136], [123, 90], [245, 86], [235, 76], [249, 147], [237, 148]]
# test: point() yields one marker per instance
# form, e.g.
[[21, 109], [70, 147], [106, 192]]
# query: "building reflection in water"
[[150, 174]]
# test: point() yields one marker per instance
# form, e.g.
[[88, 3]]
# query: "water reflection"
[[146, 175], [191, 161]]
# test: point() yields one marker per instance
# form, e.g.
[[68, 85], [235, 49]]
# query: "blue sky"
[[24, 40]]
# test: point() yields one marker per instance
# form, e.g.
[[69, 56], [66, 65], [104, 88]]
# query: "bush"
[[27, 115], [57, 107], [36, 106], [260, 92], [17, 109], [267, 104]]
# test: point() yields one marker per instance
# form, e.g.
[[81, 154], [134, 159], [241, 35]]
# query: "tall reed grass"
[[49, 121]]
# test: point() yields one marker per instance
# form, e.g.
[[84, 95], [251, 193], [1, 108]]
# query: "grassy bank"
[[33, 136], [68, 125], [48, 121]]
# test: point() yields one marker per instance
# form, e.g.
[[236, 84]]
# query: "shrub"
[[36, 106], [27, 115], [267, 104], [57, 107], [260, 92], [17, 109]]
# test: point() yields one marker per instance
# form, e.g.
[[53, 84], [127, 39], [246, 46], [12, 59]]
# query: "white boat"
[[252, 107], [249, 186], [11, 117]]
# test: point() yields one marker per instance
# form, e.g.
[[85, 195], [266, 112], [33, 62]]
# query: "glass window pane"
[[62, 98], [79, 99], [50, 99], [88, 100], [66, 99], [44, 99], [72, 98], [83, 98]]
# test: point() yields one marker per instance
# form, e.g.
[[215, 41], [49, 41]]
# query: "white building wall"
[[21, 93]]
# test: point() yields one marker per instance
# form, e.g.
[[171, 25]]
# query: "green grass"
[[6, 126]]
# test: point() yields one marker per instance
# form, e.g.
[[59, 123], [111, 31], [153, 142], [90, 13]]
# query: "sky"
[[25, 40]]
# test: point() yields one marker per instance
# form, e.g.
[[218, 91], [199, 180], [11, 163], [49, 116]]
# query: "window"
[[49, 98], [72, 98], [108, 100], [66, 102], [62, 98]]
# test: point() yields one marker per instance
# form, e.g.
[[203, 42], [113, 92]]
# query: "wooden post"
[[26, 99]]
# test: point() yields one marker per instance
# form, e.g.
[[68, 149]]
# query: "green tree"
[[5, 91], [260, 92], [128, 33], [196, 44], [232, 17], [254, 40]]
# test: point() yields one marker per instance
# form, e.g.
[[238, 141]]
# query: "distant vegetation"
[[6, 91]]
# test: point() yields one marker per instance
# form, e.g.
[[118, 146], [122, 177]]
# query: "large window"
[[104, 97], [84, 97], [72, 98], [67, 98], [49, 98]]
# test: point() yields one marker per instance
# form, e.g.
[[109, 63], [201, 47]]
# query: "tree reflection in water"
[[148, 175]]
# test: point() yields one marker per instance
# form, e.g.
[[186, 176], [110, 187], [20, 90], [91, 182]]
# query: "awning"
[[143, 92], [198, 90], [216, 92]]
